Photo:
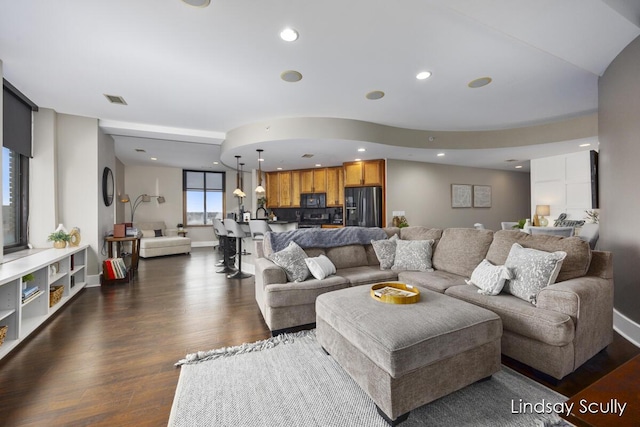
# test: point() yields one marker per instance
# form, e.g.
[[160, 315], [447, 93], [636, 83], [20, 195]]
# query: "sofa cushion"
[[576, 264], [460, 250], [437, 280], [420, 233], [314, 252], [291, 294], [521, 317], [163, 242], [148, 233], [320, 266], [366, 275], [385, 251], [489, 278], [291, 259], [532, 271], [347, 256], [414, 255]]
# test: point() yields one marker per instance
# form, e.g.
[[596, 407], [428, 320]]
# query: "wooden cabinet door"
[[373, 173], [353, 174], [320, 180], [335, 187], [284, 179], [306, 181], [295, 188], [273, 190]]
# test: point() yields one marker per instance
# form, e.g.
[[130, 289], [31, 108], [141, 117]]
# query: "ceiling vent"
[[511, 160], [114, 99], [307, 156], [140, 150]]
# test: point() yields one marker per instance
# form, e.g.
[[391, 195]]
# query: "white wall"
[[43, 179], [423, 191], [562, 182], [106, 158]]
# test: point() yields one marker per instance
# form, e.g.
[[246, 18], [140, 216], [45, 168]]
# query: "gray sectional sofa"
[[571, 321]]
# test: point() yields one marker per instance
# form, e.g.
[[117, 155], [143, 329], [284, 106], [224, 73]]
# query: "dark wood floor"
[[106, 359]]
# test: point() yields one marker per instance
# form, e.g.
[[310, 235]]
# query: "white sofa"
[[169, 243]]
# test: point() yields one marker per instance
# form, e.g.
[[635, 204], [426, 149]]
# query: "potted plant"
[[59, 239]]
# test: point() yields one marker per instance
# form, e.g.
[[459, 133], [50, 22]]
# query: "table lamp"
[[542, 211]]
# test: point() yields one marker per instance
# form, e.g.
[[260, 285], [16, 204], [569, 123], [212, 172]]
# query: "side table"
[[119, 242], [182, 233]]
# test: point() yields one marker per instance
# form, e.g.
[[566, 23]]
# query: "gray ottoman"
[[404, 356]]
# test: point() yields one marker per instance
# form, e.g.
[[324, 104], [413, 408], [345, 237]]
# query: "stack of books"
[[29, 294], [114, 268]]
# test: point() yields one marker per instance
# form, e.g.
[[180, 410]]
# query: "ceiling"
[[190, 75]]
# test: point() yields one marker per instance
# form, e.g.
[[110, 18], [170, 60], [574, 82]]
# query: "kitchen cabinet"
[[364, 173], [283, 189], [335, 187], [313, 181]]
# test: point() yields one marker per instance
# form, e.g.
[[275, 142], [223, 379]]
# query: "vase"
[[60, 245]]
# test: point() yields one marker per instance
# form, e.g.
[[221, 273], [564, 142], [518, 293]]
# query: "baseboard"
[[93, 280], [626, 327], [203, 244]]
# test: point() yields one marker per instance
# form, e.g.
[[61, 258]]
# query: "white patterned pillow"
[[385, 251], [291, 259], [532, 270], [414, 255], [489, 278], [320, 266]]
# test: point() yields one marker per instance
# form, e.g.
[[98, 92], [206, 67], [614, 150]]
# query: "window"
[[17, 123], [15, 197], [204, 197]]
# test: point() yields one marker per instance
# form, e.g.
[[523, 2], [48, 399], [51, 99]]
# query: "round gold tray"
[[396, 293]]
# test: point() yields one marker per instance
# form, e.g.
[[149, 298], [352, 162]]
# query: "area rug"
[[290, 381]]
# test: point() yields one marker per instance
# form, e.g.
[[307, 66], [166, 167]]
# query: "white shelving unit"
[[50, 268]]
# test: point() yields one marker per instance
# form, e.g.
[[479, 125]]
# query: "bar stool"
[[258, 227], [228, 248], [235, 230]]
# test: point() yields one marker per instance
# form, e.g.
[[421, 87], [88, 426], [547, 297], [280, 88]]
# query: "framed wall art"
[[481, 196], [460, 195]]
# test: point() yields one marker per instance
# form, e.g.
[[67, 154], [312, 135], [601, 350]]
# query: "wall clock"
[[107, 186]]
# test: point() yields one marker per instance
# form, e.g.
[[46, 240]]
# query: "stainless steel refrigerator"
[[363, 206]]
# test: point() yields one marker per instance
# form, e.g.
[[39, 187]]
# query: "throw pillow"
[[291, 259], [489, 278], [320, 266], [413, 255], [532, 270], [385, 251], [148, 233], [158, 233]]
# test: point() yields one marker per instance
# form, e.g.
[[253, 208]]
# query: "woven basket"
[[3, 333], [55, 294]]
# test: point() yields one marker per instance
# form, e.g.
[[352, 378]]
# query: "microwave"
[[313, 201]]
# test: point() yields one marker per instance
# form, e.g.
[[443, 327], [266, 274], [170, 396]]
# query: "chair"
[[258, 228], [554, 231], [508, 225], [227, 246], [478, 226], [235, 230], [590, 234]]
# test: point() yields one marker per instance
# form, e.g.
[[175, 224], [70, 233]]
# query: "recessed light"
[[482, 81], [357, 160], [422, 75], [279, 169], [376, 94], [291, 76], [362, 150], [197, 3], [318, 165], [215, 163], [519, 167], [289, 35], [154, 158], [584, 145], [440, 154]]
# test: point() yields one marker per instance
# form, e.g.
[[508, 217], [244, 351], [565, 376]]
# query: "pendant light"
[[260, 189], [238, 191]]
